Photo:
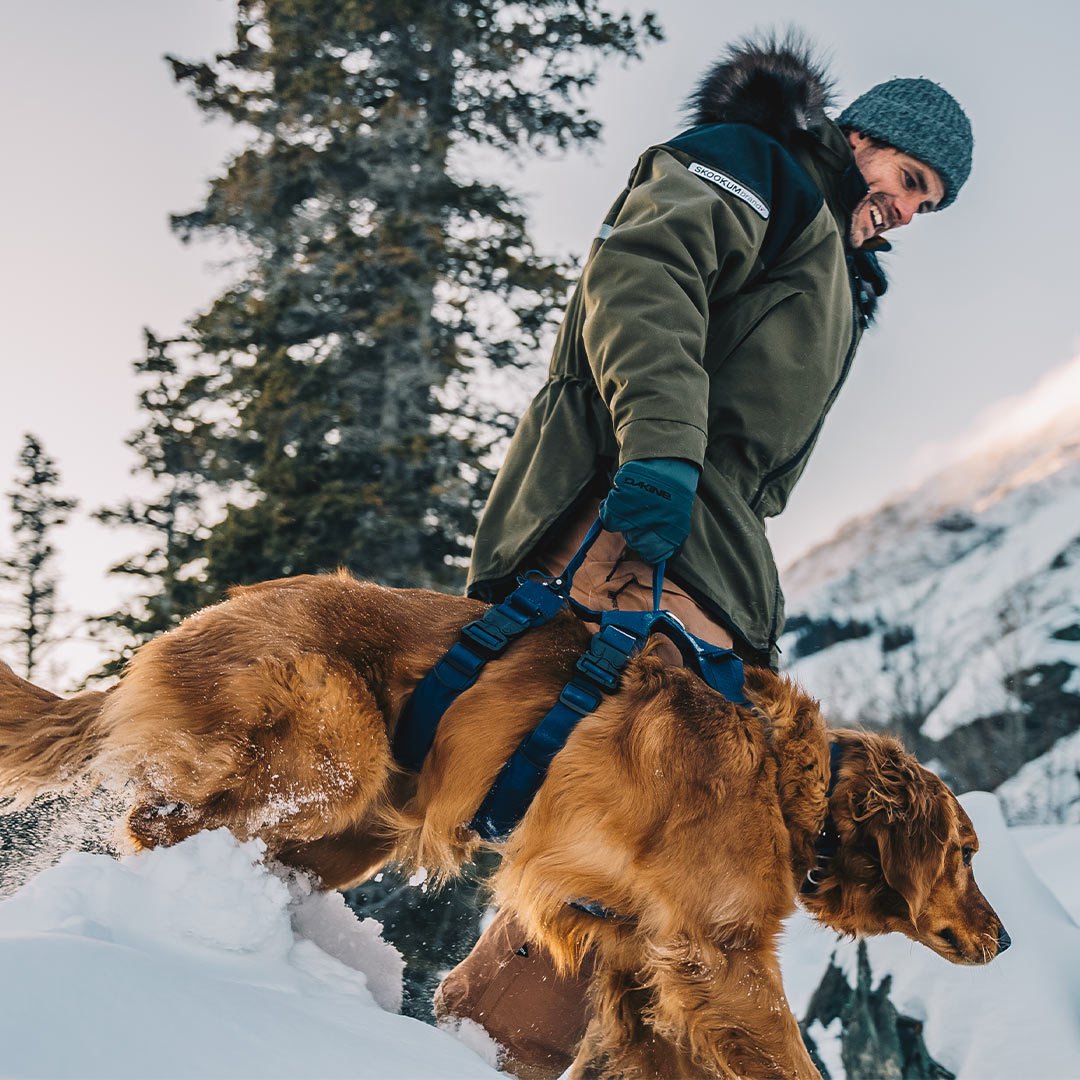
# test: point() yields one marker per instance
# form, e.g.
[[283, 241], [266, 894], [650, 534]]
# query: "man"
[[716, 319]]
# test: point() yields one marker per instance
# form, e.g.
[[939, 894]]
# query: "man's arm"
[[679, 243]]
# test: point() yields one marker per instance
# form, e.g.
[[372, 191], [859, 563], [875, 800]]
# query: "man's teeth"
[[876, 218]]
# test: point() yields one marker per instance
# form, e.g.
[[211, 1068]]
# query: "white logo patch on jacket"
[[732, 187]]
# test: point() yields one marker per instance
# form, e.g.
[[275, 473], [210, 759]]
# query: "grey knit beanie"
[[920, 118]]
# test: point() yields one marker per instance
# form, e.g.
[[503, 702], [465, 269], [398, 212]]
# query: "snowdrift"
[[199, 961]]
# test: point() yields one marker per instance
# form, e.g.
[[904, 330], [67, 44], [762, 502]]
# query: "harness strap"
[[536, 601], [598, 673], [530, 605]]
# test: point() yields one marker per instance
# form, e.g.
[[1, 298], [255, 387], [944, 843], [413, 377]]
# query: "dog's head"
[[905, 854]]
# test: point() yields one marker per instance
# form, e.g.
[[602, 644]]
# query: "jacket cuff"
[[640, 439]]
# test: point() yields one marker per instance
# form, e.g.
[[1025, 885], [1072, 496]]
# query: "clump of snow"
[[324, 919], [1015, 1017], [200, 961], [469, 1033], [828, 1043]]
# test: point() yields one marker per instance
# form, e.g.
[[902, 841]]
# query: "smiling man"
[[912, 146], [717, 317]]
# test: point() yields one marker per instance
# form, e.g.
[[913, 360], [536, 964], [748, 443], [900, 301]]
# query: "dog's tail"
[[47, 743]]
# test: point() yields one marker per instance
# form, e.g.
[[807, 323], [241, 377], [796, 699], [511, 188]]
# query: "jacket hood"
[[773, 84]]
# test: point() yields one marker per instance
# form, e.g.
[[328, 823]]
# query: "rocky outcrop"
[[876, 1041]]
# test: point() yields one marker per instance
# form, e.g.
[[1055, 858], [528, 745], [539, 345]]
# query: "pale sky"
[[101, 146]]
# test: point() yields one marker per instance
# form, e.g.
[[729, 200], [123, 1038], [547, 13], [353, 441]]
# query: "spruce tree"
[[332, 405], [37, 510], [326, 398], [172, 448]]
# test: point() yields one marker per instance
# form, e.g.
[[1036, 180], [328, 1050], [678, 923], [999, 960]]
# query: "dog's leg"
[[619, 1044], [728, 1007], [343, 860], [691, 1013]]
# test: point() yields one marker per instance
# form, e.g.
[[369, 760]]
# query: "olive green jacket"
[[716, 319]]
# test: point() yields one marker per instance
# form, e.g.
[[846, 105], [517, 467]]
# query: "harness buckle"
[[608, 653], [599, 671]]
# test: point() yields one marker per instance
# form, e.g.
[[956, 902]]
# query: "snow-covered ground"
[[200, 961]]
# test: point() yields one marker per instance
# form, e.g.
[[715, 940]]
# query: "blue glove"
[[650, 503]]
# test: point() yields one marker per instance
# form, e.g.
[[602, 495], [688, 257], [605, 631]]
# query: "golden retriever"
[[696, 821]]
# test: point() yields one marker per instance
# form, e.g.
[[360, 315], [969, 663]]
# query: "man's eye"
[[966, 854], [909, 180]]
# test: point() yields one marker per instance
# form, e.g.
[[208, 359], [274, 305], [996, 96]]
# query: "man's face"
[[900, 187]]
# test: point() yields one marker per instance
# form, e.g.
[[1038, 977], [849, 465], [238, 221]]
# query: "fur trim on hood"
[[773, 84]]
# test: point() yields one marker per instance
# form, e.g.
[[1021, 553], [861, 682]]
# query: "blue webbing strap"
[[530, 605], [598, 672]]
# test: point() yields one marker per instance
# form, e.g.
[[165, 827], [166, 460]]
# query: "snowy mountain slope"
[[196, 961], [953, 613]]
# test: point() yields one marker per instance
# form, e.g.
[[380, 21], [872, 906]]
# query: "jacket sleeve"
[[677, 244]]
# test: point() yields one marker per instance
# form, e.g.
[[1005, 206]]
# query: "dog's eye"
[[966, 853]]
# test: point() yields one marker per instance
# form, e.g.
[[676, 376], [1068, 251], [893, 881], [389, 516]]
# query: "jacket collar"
[[828, 158]]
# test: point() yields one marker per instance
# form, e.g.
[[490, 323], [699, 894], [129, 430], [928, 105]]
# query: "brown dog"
[[694, 820]]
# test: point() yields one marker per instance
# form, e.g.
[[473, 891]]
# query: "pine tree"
[[172, 449], [331, 403], [327, 397], [37, 510]]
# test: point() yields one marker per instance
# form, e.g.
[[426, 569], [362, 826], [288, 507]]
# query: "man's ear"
[[855, 139]]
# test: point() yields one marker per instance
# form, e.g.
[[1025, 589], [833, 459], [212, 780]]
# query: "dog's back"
[[267, 714]]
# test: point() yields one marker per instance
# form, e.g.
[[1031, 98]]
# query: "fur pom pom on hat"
[[920, 118]]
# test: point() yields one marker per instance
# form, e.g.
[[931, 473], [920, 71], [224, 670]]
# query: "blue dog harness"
[[536, 601]]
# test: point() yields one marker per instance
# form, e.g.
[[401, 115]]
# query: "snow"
[[201, 961], [1047, 786], [1017, 1017]]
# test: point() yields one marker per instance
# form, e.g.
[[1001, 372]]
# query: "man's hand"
[[650, 503]]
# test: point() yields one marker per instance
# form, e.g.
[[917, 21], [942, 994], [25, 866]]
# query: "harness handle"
[[561, 584]]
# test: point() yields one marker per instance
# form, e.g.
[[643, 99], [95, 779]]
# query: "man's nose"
[[906, 211]]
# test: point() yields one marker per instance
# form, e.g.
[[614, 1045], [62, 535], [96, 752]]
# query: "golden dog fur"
[[272, 714]]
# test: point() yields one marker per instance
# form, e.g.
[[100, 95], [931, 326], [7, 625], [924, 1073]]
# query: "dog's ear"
[[905, 809]]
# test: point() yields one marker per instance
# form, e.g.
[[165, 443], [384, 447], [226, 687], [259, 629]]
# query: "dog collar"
[[828, 840]]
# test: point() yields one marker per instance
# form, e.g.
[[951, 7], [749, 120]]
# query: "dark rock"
[[876, 1042], [813, 635], [896, 637], [955, 522], [433, 929]]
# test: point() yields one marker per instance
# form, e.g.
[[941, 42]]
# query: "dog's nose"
[[1004, 941]]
